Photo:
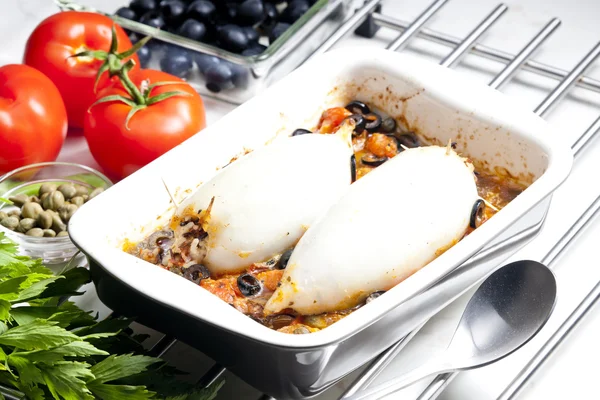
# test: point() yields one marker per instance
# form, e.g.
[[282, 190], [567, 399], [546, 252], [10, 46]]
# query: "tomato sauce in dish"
[[375, 140]]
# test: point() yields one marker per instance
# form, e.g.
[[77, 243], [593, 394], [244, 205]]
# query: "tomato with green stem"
[[51, 48], [137, 120]]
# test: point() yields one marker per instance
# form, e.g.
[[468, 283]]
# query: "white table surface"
[[572, 371]]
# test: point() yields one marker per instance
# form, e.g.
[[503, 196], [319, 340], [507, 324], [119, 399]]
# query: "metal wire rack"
[[365, 21]]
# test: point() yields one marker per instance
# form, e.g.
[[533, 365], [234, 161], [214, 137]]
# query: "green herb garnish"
[[50, 348]]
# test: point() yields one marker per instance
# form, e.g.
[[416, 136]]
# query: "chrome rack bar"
[[441, 381], [377, 366], [402, 40], [487, 52], [458, 53]]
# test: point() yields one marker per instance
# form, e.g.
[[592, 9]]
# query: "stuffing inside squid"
[[361, 246], [261, 204]]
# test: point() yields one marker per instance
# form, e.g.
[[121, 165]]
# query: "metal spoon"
[[506, 311]]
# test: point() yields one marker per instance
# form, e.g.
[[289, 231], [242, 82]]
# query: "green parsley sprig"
[[50, 348]]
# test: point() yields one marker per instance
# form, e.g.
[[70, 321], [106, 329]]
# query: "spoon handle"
[[393, 385]]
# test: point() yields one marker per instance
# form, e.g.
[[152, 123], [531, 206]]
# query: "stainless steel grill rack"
[[366, 20]]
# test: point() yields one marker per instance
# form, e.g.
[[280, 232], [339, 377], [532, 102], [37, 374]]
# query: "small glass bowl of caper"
[[37, 202]]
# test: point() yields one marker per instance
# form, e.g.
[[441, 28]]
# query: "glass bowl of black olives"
[[226, 49], [37, 202]]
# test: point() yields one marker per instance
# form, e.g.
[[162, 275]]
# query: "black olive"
[[218, 77], [358, 107], [233, 38], [240, 76], [374, 295], [250, 12], [409, 140], [143, 6], [144, 55], [372, 160], [205, 61], [283, 261], [173, 11], [353, 168], [192, 29], [476, 213], [177, 62], [373, 122], [294, 10], [255, 50], [249, 285], [359, 123], [153, 19], [281, 320], [196, 273], [271, 15], [127, 13], [301, 131], [277, 31], [251, 34], [202, 10]]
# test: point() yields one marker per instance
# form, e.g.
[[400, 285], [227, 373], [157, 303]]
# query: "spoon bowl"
[[507, 310]]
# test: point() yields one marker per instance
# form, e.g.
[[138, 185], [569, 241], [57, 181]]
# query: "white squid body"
[[266, 200], [388, 225]]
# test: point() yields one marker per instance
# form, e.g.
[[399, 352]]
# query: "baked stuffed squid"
[[261, 204], [386, 226]]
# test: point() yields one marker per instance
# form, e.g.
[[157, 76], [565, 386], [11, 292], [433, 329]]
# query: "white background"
[[572, 371]]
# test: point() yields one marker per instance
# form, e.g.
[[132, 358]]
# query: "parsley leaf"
[[68, 379], [39, 334], [73, 349], [110, 392], [120, 366]]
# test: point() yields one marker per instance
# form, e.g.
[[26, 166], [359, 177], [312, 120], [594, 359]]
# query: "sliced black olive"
[[476, 213], [196, 273], [373, 122], [388, 125], [359, 123], [353, 168], [249, 285], [372, 160], [409, 140], [374, 295], [283, 261], [358, 107], [300, 131], [282, 320]]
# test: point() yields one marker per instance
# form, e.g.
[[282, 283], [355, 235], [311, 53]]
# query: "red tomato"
[[65, 34], [33, 118], [151, 132]]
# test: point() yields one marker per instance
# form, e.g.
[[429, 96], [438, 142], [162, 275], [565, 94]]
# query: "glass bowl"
[[249, 74], [27, 180]]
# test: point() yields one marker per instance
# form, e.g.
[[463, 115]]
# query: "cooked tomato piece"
[[270, 278], [381, 145], [332, 118]]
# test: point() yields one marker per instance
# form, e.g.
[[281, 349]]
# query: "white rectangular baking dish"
[[436, 102]]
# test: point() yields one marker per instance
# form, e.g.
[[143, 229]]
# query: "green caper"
[[3, 215], [35, 232], [66, 212], [78, 201], [44, 220], [85, 197], [68, 190], [15, 213], [54, 201], [10, 222], [34, 199], [46, 188], [96, 192], [43, 197], [63, 233], [57, 224], [19, 199], [26, 224], [31, 210], [81, 190], [49, 233]]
